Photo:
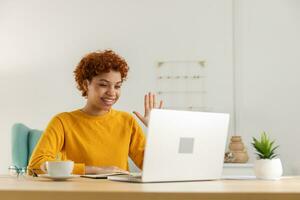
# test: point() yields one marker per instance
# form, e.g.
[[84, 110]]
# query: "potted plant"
[[267, 166]]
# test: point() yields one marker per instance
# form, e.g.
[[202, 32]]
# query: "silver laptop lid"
[[184, 145]]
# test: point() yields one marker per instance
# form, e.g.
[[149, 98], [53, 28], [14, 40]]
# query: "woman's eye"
[[102, 85], [117, 86]]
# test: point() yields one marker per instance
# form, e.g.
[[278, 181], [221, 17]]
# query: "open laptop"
[[182, 146]]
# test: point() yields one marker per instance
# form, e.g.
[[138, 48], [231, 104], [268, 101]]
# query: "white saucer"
[[58, 178]]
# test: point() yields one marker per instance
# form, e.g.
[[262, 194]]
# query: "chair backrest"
[[23, 141]]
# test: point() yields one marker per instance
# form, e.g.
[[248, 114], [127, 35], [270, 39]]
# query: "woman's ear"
[[86, 85]]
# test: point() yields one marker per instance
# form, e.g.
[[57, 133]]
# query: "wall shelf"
[[181, 84]]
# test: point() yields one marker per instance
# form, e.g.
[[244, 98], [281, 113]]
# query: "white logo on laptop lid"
[[186, 145]]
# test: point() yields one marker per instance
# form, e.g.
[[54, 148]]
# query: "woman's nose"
[[111, 91]]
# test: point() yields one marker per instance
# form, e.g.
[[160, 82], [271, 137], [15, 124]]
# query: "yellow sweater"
[[105, 140]]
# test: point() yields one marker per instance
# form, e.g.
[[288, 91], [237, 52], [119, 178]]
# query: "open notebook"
[[103, 176]]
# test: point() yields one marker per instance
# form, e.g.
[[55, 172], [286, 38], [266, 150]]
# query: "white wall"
[[268, 68], [42, 41]]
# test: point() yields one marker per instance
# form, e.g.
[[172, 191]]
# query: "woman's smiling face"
[[104, 90]]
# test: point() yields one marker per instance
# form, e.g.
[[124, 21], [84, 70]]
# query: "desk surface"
[[84, 188]]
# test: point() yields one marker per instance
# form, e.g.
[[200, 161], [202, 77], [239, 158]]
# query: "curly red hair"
[[96, 63]]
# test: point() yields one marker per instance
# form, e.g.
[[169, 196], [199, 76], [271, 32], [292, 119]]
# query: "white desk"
[[90, 189]]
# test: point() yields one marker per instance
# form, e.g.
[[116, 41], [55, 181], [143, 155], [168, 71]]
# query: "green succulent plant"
[[264, 147]]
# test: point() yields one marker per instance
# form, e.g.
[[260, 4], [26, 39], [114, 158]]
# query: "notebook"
[[102, 176]]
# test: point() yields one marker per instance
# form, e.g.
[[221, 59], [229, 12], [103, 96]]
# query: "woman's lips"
[[108, 101]]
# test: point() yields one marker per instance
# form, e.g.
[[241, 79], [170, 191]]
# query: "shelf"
[[182, 92], [181, 77], [193, 108], [202, 63]]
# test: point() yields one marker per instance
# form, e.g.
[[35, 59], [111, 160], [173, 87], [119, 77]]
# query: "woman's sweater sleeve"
[[137, 144], [49, 147]]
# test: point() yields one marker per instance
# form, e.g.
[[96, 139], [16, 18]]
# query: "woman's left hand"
[[149, 104]]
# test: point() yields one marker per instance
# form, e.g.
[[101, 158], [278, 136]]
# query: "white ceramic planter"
[[268, 169]]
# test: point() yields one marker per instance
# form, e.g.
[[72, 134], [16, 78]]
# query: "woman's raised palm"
[[149, 104]]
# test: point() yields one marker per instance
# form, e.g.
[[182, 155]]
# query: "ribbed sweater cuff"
[[79, 168]]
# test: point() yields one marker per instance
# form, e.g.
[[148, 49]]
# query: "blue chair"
[[23, 141]]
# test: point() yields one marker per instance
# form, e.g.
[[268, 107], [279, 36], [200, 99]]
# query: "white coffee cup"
[[59, 168]]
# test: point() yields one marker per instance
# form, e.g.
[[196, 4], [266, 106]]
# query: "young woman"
[[96, 137]]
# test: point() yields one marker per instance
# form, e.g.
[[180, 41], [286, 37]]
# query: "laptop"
[[182, 146]]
